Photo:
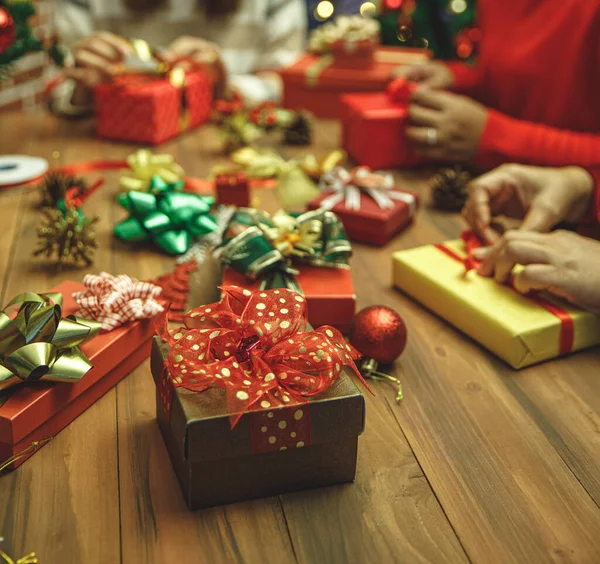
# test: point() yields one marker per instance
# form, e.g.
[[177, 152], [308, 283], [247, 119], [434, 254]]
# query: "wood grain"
[[479, 463]]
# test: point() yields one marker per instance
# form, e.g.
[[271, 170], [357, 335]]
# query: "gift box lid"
[[201, 424], [26, 407], [386, 60], [372, 106], [511, 325]]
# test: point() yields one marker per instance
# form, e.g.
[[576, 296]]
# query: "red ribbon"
[[567, 327], [257, 347], [399, 91]]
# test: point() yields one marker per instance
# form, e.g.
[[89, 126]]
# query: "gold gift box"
[[513, 326]]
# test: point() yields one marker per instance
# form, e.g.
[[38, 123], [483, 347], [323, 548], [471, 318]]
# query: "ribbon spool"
[[17, 170]]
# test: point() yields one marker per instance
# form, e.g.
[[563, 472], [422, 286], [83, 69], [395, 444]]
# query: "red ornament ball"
[[8, 30], [378, 332]]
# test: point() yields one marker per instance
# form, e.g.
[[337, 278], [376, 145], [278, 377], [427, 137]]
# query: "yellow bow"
[[295, 178], [144, 165]]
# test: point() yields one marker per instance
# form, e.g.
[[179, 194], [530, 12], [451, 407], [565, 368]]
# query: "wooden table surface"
[[480, 463]]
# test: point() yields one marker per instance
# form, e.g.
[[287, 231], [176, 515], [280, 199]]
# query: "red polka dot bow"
[[116, 300], [257, 347]]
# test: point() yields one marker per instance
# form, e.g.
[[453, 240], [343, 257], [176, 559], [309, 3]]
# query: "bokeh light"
[[458, 6], [368, 10], [324, 10]]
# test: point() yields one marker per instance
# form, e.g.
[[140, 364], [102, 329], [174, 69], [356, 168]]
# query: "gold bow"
[[30, 558], [348, 29], [37, 343], [295, 177], [294, 239], [144, 165]]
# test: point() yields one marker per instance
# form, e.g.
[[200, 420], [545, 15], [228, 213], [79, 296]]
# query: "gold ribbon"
[[33, 447], [349, 29], [144, 165], [30, 558], [38, 344], [295, 186]]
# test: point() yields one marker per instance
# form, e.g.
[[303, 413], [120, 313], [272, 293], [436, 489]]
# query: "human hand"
[[433, 75], [444, 126], [542, 197], [188, 52], [97, 57], [562, 263]]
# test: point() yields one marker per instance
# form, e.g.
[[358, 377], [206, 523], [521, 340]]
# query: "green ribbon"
[[263, 246], [38, 344], [166, 216]]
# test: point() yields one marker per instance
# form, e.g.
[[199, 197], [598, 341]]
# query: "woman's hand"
[[96, 58], [444, 126], [563, 263], [433, 75], [542, 197]]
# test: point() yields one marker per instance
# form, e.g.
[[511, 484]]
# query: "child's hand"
[[542, 197], [432, 75], [563, 263], [444, 126], [96, 57]]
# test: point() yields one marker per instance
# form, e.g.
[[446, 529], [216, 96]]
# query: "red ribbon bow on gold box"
[[257, 347]]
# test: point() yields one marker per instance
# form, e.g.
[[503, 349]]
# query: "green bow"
[[37, 343], [263, 246], [166, 216]]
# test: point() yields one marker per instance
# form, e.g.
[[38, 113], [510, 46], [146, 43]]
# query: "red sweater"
[[538, 70]]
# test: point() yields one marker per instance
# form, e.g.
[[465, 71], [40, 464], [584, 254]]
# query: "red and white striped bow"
[[347, 186], [116, 300]]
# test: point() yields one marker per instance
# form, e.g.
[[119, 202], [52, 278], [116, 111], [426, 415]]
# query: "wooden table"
[[479, 463]]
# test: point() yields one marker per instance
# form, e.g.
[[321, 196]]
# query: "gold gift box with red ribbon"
[[522, 330], [251, 402]]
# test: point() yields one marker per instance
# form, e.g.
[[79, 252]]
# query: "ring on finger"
[[432, 136]]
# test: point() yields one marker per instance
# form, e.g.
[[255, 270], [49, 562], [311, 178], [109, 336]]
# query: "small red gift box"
[[233, 189], [374, 128], [371, 223], [151, 110], [38, 411], [315, 83], [329, 293]]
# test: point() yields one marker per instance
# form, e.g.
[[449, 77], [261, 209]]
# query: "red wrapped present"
[[151, 110], [233, 189], [252, 406], [315, 83], [308, 252], [374, 126], [32, 413], [370, 207], [354, 55], [329, 294]]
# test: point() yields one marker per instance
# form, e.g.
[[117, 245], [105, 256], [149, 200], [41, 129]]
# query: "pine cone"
[[449, 188], [299, 131], [69, 236], [55, 186]]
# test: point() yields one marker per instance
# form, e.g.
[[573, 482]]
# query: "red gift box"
[[150, 110], [34, 412], [353, 55], [372, 224], [233, 189], [315, 83], [329, 293], [374, 131]]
